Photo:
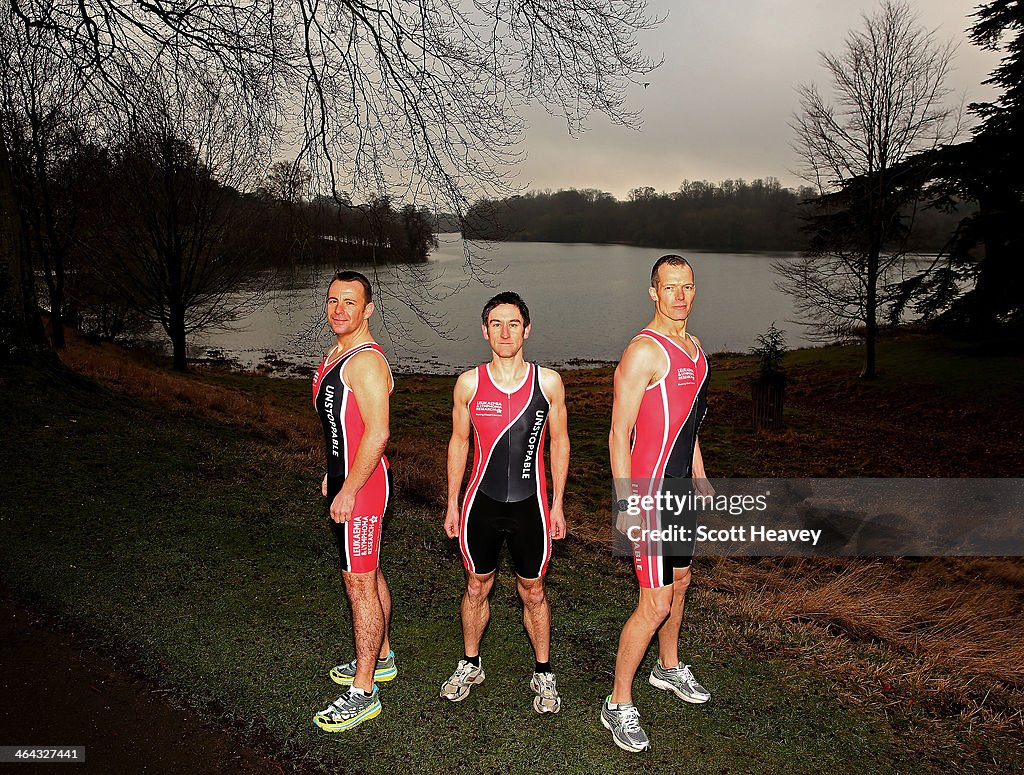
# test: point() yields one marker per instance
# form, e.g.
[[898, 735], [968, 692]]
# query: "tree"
[[41, 125], [978, 288], [177, 241], [889, 91], [417, 100], [287, 182]]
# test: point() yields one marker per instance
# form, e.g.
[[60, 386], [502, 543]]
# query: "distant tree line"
[[734, 215]]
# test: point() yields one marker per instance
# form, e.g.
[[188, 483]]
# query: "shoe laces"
[[630, 718], [463, 670], [685, 672], [546, 685], [348, 704]]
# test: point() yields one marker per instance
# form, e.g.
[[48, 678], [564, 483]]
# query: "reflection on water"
[[586, 301]]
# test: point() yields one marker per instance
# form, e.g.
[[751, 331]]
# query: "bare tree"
[[178, 241], [287, 182], [889, 102], [45, 124]]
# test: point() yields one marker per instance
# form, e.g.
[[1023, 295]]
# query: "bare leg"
[[654, 608], [668, 635], [476, 610], [384, 595], [367, 624], [536, 616]]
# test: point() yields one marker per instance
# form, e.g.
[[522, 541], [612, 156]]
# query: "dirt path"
[[55, 692]]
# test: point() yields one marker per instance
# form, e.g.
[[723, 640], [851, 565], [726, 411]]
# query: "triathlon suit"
[[661, 452], [506, 499], [358, 538]]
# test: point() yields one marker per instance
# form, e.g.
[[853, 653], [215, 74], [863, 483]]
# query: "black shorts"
[[524, 525], [655, 561]]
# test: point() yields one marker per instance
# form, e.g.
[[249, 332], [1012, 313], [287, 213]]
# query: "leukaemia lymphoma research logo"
[[685, 376], [489, 409]]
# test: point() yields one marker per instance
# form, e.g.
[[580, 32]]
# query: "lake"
[[586, 301]]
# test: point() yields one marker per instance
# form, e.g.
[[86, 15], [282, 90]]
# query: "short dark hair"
[[507, 297], [672, 260], [350, 276]]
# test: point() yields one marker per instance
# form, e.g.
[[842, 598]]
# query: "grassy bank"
[[178, 518], [935, 634]]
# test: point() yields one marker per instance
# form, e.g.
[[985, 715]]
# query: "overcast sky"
[[720, 104]]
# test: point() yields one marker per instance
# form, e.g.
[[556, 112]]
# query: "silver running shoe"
[[384, 672], [680, 681], [350, 710], [465, 676], [547, 699], [624, 724]]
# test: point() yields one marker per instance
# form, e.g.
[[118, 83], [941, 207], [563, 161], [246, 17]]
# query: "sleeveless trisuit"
[[661, 451], [358, 538], [506, 499]]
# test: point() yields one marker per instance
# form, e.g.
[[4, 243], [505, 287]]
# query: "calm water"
[[586, 301]]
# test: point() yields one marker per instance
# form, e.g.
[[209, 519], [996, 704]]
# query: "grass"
[[924, 649], [196, 549], [932, 633]]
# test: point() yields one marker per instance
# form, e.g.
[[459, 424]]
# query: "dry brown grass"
[[942, 634], [420, 475], [116, 369]]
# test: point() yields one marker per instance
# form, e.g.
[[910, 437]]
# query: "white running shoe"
[[624, 724], [680, 681], [547, 699], [466, 675]]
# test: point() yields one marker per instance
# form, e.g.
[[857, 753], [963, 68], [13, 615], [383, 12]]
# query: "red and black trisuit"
[[661, 454], [358, 538], [506, 499]]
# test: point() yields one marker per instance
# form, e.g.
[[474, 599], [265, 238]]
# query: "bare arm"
[[558, 429], [458, 447], [368, 376], [641, 365]]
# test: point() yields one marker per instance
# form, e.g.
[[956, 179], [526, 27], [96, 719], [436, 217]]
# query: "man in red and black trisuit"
[[510, 405], [351, 393], [659, 404]]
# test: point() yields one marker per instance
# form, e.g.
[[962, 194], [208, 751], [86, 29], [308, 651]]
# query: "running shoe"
[[680, 681], [350, 710], [385, 671], [624, 724], [547, 699], [465, 676]]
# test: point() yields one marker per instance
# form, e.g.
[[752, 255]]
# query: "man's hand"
[[323, 486], [343, 505], [702, 488], [451, 522], [558, 529], [624, 521]]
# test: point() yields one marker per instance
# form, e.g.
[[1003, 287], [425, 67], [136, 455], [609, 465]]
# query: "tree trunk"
[[871, 315], [18, 304], [768, 399], [996, 286], [176, 330], [55, 286]]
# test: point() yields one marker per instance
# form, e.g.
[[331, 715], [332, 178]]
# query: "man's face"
[[347, 307], [674, 293], [505, 331]]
